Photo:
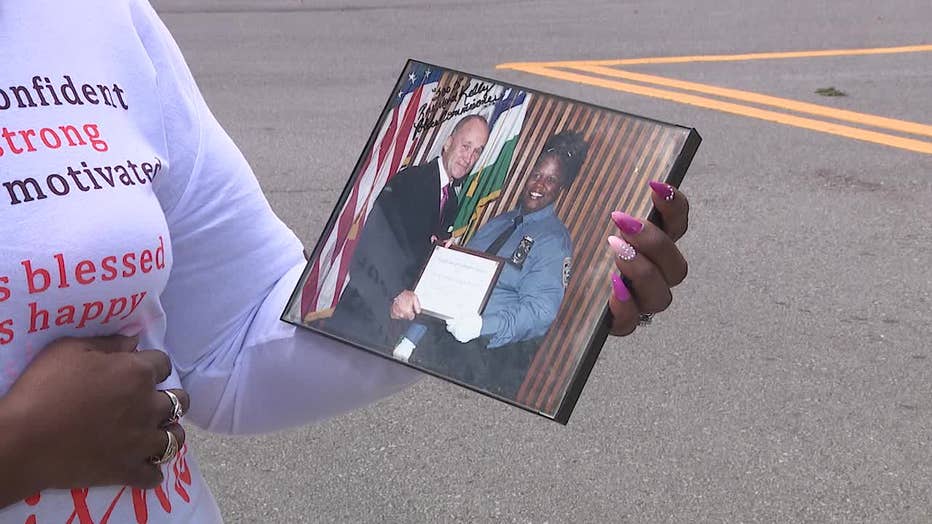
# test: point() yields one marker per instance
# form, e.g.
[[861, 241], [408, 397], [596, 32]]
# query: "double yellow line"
[[605, 73]]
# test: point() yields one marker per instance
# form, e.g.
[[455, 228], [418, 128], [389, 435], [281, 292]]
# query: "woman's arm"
[[234, 266]]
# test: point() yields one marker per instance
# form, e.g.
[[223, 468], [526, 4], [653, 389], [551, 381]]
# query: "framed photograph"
[[469, 241]]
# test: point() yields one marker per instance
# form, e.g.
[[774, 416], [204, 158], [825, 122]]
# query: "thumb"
[[113, 343]]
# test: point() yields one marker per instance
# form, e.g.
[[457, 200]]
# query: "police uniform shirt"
[[526, 298]]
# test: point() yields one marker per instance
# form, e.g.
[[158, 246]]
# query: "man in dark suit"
[[416, 208]]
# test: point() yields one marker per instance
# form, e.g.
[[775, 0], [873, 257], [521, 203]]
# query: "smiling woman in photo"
[[493, 350]]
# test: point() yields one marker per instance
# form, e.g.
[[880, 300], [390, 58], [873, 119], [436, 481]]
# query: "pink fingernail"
[[664, 190], [627, 223], [620, 289], [624, 250]]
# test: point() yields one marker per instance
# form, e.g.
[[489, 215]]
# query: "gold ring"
[[177, 410], [171, 449]]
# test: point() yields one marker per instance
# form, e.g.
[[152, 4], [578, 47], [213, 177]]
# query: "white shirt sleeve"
[[234, 266]]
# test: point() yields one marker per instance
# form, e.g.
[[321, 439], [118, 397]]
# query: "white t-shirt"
[[125, 208]]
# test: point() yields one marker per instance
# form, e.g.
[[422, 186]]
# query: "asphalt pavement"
[[791, 379]]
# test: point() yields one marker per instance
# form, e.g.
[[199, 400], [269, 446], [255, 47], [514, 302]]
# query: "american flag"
[[394, 145]]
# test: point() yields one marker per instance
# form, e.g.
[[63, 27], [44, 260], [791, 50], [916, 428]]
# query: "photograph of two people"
[[469, 240]]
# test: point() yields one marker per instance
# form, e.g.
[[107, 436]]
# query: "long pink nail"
[[627, 223], [620, 289], [624, 250], [664, 190]]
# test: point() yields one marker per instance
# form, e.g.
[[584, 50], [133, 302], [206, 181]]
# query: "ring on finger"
[[644, 319], [177, 410], [171, 449]]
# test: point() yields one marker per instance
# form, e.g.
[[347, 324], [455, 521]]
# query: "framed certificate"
[[521, 185], [455, 281]]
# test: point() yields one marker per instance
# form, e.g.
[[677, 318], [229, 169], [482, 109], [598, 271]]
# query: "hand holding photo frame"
[[469, 241]]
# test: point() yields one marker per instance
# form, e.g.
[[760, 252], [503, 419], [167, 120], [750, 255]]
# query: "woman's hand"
[[647, 258], [86, 413]]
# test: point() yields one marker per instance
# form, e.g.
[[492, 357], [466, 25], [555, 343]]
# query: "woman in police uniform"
[[492, 351]]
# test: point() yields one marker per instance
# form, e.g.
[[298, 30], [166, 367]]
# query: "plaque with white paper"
[[455, 281]]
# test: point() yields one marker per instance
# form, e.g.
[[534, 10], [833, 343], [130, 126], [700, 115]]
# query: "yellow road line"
[[908, 144], [773, 101], [729, 58]]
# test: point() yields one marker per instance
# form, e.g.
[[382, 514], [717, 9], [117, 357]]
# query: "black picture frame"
[[625, 153]]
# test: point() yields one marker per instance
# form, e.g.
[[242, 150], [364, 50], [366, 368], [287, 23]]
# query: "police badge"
[[521, 252], [567, 268]]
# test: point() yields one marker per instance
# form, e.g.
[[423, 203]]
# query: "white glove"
[[465, 327], [403, 350]]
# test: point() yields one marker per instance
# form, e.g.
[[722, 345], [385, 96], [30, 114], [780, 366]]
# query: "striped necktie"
[[444, 195]]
